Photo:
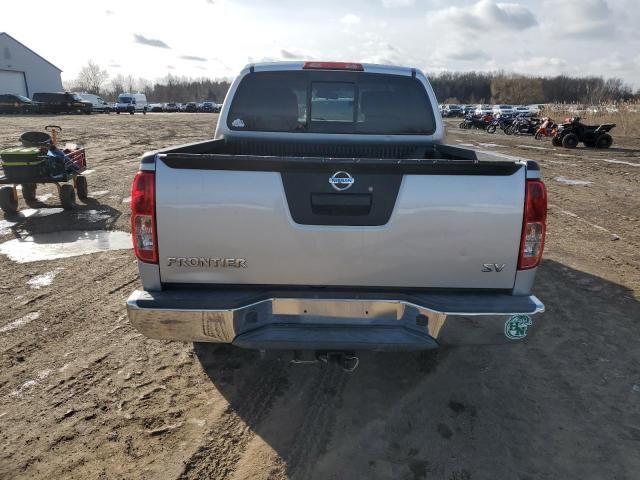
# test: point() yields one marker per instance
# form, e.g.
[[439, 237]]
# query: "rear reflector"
[[534, 225], [143, 217], [333, 66]]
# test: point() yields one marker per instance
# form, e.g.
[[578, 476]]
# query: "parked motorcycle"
[[476, 121], [573, 132], [501, 122], [548, 128], [523, 126]]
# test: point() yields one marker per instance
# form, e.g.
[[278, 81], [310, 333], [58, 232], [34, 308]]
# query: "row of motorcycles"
[[511, 125], [568, 134]]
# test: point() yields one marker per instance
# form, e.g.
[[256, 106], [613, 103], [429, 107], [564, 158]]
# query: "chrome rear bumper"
[[298, 319]]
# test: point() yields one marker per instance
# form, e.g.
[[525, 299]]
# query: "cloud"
[[486, 15], [583, 19], [193, 58], [171, 67], [151, 42], [115, 65], [286, 54], [109, 12], [398, 3], [384, 53], [350, 19], [540, 66], [467, 54]]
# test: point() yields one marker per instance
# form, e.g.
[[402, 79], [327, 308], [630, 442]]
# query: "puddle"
[[88, 172], [128, 199], [49, 246], [44, 279], [623, 163], [93, 215], [21, 322], [39, 212], [570, 181], [99, 193], [459, 144], [533, 147], [490, 145], [44, 197], [5, 225], [564, 155]]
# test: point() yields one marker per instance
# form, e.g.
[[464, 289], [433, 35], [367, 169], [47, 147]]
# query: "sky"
[[216, 38]]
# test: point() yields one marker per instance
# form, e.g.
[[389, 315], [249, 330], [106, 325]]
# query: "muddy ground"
[[83, 395]]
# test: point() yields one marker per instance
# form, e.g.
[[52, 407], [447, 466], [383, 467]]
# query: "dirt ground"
[[83, 395]]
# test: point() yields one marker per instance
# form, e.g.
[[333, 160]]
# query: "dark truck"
[[327, 215], [62, 102]]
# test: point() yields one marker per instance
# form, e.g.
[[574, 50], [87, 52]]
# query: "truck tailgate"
[[274, 221]]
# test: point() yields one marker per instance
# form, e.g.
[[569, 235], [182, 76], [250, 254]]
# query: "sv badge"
[[492, 267]]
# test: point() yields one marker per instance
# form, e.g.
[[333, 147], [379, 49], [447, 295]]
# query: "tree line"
[[450, 87], [498, 87], [94, 79]]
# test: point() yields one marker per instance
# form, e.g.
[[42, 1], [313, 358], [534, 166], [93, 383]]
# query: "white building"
[[23, 71]]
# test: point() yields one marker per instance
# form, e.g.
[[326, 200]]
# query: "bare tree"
[[91, 77], [117, 85]]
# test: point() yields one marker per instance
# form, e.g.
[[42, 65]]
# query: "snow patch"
[[21, 322], [45, 279], [623, 163], [571, 181]]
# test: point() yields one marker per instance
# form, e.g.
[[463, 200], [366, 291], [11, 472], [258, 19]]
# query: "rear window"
[[331, 102]]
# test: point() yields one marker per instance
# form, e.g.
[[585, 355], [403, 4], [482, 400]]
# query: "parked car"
[[131, 103], [208, 106], [522, 110], [99, 105], [503, 110], [467, 109], [62, 102], [171, 107], [483, 110], [452, 110], [10, 103], [308, 232], [191, 107], [536, 109], [155, 107]]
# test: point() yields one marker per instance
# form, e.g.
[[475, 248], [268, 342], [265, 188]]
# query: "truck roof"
[[297, 65]]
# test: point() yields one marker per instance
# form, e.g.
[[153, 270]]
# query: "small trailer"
[[34, 164]]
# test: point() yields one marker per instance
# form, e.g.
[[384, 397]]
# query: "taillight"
[[534, 225], [333, 66], [143, 217]]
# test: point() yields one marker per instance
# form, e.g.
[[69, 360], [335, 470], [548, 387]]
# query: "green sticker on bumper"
[[516, 327]]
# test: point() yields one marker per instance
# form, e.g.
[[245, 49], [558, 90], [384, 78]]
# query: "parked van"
[[62, 102], [132, 103], [99, 105]]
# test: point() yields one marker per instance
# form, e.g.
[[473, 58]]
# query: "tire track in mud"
[[229, 437], [324, 397]]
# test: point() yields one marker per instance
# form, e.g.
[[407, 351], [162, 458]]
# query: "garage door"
[[12, 82]]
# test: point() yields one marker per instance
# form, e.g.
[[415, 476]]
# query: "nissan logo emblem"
[[341, 181]]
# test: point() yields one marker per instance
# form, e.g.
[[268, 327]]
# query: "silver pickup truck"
[[327, 215]]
